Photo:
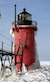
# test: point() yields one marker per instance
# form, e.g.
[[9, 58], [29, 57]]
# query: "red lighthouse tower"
[[24, 41]]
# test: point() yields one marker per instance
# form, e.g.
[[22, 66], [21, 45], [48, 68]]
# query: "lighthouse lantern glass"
[[28, 17], [20, 17], [24, 17]]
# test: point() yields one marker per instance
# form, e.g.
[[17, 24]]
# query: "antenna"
[[15, 15], [15, 20], [0, 14]]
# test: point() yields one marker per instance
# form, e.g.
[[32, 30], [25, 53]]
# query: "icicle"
[[24, 69]]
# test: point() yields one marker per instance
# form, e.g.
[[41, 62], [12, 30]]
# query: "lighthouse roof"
[[25, 12]]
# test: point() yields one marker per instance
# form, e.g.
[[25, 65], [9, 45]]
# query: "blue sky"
[[40, 10]]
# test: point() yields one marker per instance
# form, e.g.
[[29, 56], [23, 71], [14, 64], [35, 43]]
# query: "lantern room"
[[24, 18]]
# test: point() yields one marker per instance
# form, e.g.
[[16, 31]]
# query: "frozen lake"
[[38, 75]]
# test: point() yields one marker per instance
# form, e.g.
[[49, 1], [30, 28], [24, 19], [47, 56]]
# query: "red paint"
[[25, 36]]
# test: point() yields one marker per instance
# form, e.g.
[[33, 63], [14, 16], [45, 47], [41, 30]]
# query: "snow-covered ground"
[[45, 63], [38, 75]]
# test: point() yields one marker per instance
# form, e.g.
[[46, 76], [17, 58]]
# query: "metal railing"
[[34, 23]]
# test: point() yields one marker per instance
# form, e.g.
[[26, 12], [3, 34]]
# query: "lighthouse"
[[24, 46]]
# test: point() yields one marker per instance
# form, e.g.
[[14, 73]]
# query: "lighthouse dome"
[[24, 18]]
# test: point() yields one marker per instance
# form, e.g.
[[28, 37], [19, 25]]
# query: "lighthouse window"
[[20, 17], [27, 17], [23, 16]]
